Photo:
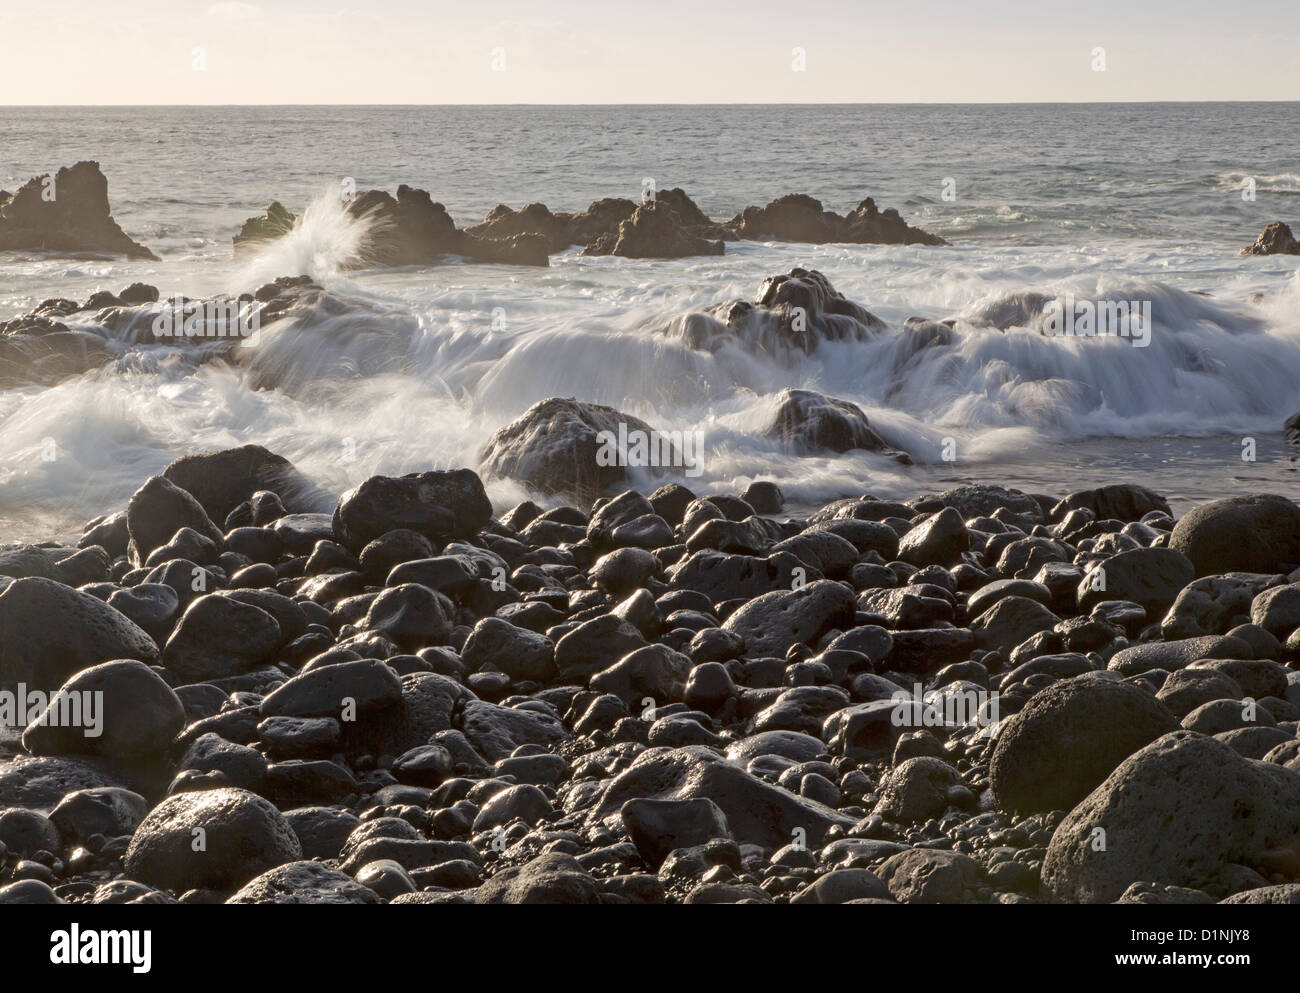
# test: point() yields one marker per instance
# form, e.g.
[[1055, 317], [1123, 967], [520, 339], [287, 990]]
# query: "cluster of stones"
[[665, 698]]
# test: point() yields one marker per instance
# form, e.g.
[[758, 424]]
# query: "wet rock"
[[305, 883], [411, 229], [566, 446], [806, 421], [594, 645], [242, 834], [654, 231], [1068, 738], [722, 576], [657, 827], [526, 803], [160, 508], [115, 709], [1117, 502], [1009, 622], [219, 636], [1240, 534], [1177, 812], [921, 875], [769, 624], [654, 671], [495, 732], [1179, 654], [1150, 577], [798, 217], [551, 879], [519, 653], [756, 812], [51, 631], [221, 480], [938, 540], [368, 684], [411, 616], [321, 831], [436, 504], [256, 231]]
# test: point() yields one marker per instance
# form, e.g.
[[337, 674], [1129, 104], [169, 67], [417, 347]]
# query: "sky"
[[652, 51]]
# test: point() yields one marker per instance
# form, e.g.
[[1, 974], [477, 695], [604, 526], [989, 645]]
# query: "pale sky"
[[654, 51]]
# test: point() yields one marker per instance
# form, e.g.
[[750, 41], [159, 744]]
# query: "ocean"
[[1134, 202]]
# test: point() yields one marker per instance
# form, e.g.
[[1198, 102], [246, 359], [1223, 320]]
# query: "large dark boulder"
[[160, 508], [134, 713], [1068, 738], [222, 480], [1118, 502], [1241, 534], [49, 631], [1183, 811], [242, 836], [436, 504], [566, 446]]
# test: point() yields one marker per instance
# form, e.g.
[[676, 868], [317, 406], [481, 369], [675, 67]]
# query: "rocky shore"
[[976, 696], [413, 230]]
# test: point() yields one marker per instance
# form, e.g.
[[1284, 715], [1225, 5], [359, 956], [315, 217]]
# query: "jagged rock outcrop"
[[407, 229], [1276, 239], [684, 229], [412, 229], [654, 231], [68, 212], [275, 223], [799, 217], [561, 229]]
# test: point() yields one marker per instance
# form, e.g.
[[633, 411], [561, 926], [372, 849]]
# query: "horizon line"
[[747, 103]]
